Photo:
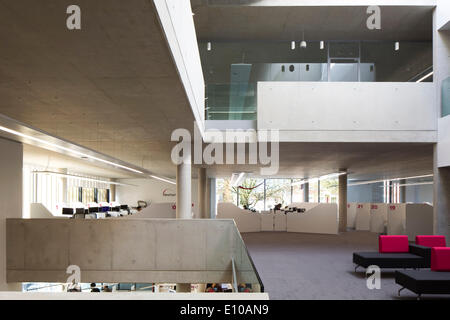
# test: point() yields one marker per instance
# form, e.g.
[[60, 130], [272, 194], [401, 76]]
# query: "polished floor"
[[315, 266]]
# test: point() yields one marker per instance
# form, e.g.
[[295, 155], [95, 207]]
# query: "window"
[[278, 191], [46, 189], [42, 185], [264, 194], [224, 191], [251, 194], [102, 195], [329, 190], [314, 190], [88, 195], [298, 190]]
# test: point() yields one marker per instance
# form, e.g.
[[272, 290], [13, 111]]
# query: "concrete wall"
[[349, 112], [441, 53], [11, 158], [126, 250], [151, 190]]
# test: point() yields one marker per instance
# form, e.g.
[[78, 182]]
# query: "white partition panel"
[[38, 210], [303, 205], [419, 220], [351, 215], [378, 217], [362, 221], [396, 219], [280, 222], [246, 220], [321, 218], [267, 222]]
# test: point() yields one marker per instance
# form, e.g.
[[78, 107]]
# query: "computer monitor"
[[93, 209], [68, 211]]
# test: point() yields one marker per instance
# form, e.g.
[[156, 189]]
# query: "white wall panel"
[[349, 111]]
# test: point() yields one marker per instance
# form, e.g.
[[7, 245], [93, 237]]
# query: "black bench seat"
[[405, 260], [424, 281]]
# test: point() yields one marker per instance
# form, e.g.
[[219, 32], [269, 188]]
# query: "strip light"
[[327, 176], [395, 179], [426, 76], [72, 176], [413, 184], [67, 149], [163, 179]]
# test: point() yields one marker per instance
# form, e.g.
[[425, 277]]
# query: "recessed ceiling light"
[[163, 179]]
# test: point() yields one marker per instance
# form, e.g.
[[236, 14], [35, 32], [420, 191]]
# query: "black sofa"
[[417, 257]]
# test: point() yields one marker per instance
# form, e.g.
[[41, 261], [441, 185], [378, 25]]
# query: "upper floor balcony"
[[326, 91]]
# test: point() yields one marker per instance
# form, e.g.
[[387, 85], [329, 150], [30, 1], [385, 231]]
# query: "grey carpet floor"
[[315, 266]]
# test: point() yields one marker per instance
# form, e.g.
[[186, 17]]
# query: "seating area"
[[428, 251], [394, 252]]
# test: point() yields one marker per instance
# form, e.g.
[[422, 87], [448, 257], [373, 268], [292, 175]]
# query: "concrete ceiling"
[[286, 23], [111, 86], [363, 161]]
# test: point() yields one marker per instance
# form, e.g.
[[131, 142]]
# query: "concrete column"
[[201, 194], [306, 192], [343, 203], [402, 191], [208, 199], [64, 186], [441, 198], [212, 198], [11, 166], [318, 191], [184, 203], [183, 287], [112, 191]]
